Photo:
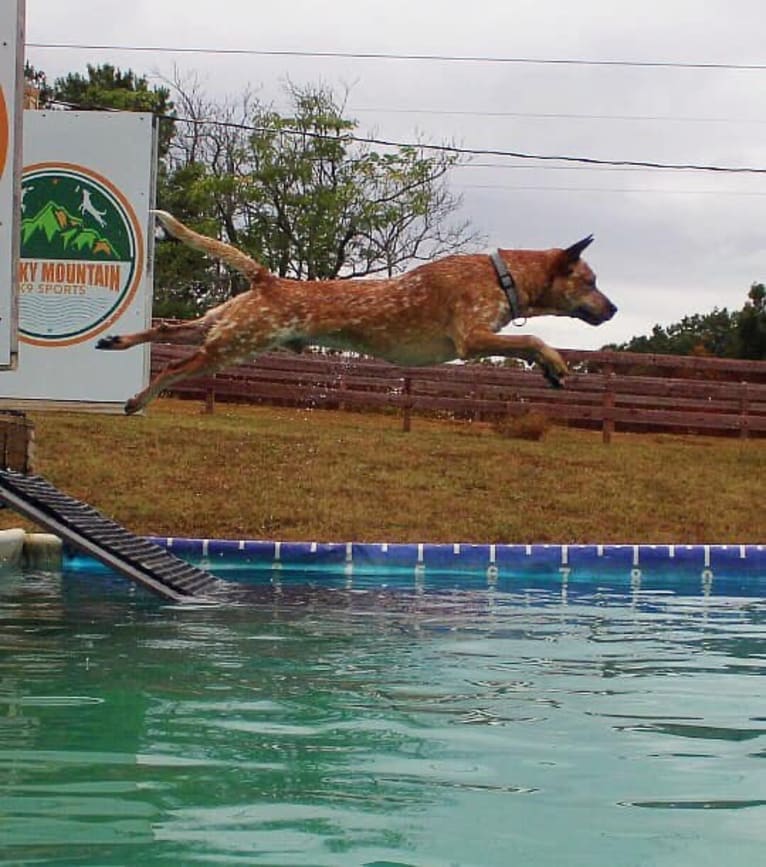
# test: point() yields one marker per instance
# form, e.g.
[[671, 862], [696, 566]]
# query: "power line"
[[622, 190], [541, 115], [464, 151], [461, 151], [512, 166], [441, 58]]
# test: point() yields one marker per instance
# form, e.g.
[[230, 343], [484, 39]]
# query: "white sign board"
[[11, 105], [86, 254]]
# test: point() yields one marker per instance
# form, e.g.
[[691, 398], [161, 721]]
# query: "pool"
[[336, 716]]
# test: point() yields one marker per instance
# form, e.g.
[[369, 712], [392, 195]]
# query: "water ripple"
[[321, 727]]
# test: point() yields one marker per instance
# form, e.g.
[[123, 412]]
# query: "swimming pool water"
[[317, 725]]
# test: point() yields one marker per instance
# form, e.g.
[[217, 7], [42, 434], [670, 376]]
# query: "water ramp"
[[86, 529]]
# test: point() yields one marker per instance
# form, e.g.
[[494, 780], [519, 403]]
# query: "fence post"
[[17, 441], [407, 405], [744, 408], [342, 387], [210, 399], [607, 421], [477, 394]]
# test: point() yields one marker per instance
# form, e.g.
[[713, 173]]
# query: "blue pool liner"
[[462, 558], [568, 561], [694, 569]]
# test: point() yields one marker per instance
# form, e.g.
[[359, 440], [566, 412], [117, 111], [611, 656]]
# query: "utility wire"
[[464, 151], [522, 168], [621, 190], [442, 58], [459, 151], [453, 149], [541, 115]]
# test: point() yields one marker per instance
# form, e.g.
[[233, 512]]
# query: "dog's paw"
[[554, 378], [553, 366], [132, 406], [555, 372], [111, 342]]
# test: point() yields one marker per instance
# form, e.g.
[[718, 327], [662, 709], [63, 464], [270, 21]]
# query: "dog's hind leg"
[[194, 365], [192, 333], [483, 343]]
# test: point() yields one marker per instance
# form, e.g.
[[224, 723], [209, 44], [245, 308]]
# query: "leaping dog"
[[448, 309]]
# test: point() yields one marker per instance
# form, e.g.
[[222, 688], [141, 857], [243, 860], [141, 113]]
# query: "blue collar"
[[506, 281]]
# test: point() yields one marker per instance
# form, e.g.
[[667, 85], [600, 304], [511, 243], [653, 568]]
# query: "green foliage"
[[186, 281], [318, 205], [299, 193], [721, 333], [106, 87], [751, 325]]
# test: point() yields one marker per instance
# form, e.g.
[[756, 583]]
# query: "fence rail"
[[608, 390]]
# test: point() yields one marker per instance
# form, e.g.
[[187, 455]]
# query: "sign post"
[[11, 108]]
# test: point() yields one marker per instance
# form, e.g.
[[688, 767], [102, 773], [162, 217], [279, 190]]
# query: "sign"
[[85, 264], [11, 108], [82, 254]]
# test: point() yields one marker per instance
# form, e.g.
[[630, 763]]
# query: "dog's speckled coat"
[[443, 310]]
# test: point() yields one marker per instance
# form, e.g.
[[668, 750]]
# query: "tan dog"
[[440, 311]]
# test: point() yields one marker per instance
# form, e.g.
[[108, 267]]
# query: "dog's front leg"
[[481, 344]]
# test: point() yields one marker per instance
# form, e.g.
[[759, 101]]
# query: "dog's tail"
[[216, 249]]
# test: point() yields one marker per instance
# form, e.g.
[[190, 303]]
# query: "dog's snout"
[[596, 312]]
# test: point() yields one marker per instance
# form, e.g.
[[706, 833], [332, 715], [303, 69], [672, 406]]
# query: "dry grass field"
[[265, 472]]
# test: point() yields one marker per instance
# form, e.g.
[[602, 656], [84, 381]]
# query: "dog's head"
[[572, 289]]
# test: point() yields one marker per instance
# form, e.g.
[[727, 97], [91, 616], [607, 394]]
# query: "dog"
[[451, 308]]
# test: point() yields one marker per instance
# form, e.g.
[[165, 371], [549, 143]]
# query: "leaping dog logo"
[[87, 206], [24, 191]]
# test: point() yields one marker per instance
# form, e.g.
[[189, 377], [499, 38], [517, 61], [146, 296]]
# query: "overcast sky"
[[668, 242]]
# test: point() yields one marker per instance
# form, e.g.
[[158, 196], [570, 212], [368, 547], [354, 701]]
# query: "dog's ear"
[[574, 252]]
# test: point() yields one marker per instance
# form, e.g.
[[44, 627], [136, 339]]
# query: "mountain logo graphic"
[[81, 254]]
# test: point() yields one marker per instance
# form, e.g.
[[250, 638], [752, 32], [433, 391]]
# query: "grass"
[[264, 472]]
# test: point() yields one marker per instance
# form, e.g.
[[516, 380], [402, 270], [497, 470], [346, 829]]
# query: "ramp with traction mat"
[[85, 528]]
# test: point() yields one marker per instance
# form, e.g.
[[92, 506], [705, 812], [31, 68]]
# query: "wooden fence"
[[607, 390]]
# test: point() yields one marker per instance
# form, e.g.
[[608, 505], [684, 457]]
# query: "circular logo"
[[81, 254]]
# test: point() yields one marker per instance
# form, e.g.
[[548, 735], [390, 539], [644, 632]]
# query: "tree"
[[303, 195], [202, 157], [751, 325], [186, 281], [721, 333], [324, 205], [299, 192], [36, 83], [108, 87], [698, 334]]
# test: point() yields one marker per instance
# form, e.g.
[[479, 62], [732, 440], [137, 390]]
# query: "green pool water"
[[313, 726]]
